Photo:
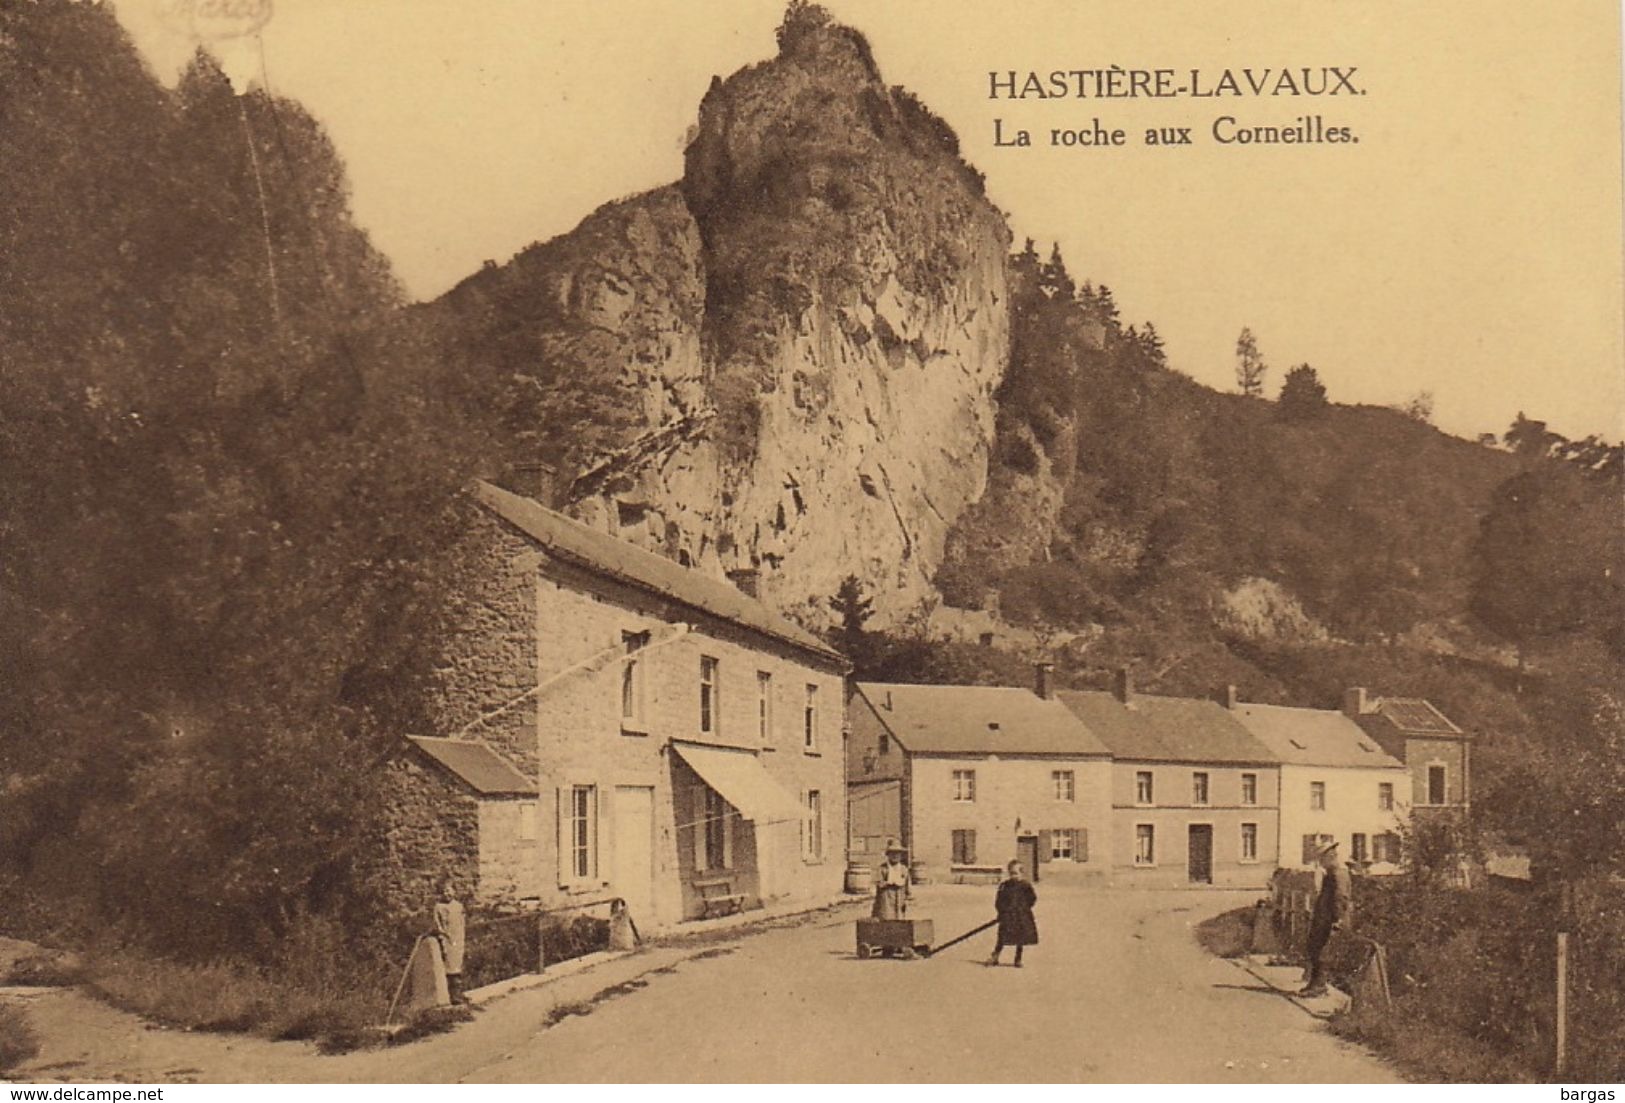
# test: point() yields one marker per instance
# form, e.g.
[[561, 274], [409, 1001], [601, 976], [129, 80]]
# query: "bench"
[[718, 897]]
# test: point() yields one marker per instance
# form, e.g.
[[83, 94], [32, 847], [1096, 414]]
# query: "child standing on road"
[[1014, 903]]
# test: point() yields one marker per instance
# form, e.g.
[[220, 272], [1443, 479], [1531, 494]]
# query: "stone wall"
[[431, 828], [488, 657]]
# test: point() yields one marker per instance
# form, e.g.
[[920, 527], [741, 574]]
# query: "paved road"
[[1117, 991]]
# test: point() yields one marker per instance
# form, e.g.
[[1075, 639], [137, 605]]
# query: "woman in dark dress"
[[1015, 907]]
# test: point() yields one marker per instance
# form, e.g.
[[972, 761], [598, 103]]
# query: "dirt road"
[[1118, 990]]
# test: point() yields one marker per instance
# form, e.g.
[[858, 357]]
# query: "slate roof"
[[476, 765], [1313, 737], [604, 554], [1167, 729], [1414, 716], [979, 720]]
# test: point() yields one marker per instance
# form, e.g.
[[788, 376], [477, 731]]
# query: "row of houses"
[[1136, 788], [613, 724]]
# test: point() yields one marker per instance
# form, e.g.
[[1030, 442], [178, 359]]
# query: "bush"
[[18, 1042], [1480, 965]]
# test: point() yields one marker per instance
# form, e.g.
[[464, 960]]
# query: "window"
[[964, 785], [1385, 796], [809, 719], [1145, 844], [1249, 842], [1385, 848], [1435, 784], [1065, 784], [1249, 788], [812, 830], [1311, 848], [527, 821], [632, 679], [1142, 787], [885, 743], [1199, 787], [1063, 844], [580, 851], [964, 848], [764, 706], [1317, 796], [710, 696], [1357, 848], [715, 849]]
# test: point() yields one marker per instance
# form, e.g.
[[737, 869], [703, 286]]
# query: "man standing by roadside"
[[1334, 909], [449, 929]]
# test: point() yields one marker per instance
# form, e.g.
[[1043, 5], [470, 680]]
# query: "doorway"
[[634, 850], [1027, 851], [1201, 853]]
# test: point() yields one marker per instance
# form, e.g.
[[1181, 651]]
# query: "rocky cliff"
[[786, 361]]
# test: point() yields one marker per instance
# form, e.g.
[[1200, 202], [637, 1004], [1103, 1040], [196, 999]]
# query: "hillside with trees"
[[219, 553]]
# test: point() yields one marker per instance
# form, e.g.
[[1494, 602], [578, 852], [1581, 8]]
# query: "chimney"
[[533, 479], [1228, 698], [747, 580], [1123, 685], [1354, 702], [1043, 675]]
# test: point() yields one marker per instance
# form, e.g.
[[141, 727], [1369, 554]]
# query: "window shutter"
[[970, 848], [1081, 852], [1045, 846], [1308, 850], [558, 835]]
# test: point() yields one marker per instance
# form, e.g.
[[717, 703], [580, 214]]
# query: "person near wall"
[[892, 884], [1014, 904], [449, 931], [1334, 908]]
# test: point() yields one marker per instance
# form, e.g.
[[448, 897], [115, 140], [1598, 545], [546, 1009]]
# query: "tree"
[[853, 608], [1548, 559], [1419, 407], [1250, 366], [1303, 397], [222, 553]]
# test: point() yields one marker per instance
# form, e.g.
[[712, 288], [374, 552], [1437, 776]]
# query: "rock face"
[[786, 361]]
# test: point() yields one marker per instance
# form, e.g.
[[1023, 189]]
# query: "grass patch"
[[46, 969], [335, 1013], [1428, 1052], [18, 1042], [1228, 934]]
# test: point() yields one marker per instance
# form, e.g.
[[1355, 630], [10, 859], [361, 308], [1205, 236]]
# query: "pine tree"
[[1250, 366]]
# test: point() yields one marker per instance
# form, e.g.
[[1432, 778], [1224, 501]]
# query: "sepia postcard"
[[869, 542]]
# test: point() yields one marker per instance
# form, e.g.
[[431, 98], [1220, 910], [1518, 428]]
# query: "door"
[[1027, 851], [1201, 853], [634, 850]]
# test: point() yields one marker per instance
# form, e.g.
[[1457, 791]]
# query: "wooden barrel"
[[859, 877]]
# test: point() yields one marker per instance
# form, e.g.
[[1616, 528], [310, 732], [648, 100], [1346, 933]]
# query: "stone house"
[[1194, 796], [612, 724], [1437, 752], [969, 777], [1337, 784]]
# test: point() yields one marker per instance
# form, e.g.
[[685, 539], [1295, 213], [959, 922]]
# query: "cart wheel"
[[907, 953], [863, 951]]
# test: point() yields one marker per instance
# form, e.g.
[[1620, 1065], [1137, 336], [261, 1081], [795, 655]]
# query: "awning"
[[743, 782]]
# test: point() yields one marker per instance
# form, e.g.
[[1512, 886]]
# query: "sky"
[[1469, 245]]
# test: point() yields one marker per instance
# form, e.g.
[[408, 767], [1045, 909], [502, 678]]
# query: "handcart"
[[904, 938]]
